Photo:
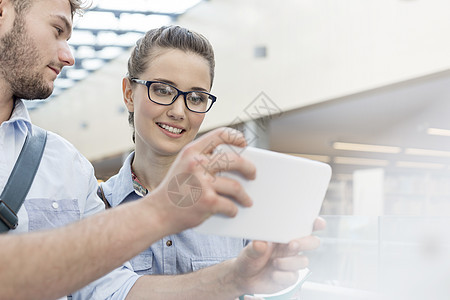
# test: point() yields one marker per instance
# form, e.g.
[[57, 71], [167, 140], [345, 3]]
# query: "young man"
[[53, 263]]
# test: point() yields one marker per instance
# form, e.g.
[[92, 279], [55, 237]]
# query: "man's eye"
[[59, 30]]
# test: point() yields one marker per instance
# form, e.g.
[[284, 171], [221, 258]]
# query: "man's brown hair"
[[76, 6]]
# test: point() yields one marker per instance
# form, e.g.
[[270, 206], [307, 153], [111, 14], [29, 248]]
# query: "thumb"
[[258, 249]]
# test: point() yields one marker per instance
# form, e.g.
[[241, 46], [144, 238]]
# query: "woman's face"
[[165, 130]]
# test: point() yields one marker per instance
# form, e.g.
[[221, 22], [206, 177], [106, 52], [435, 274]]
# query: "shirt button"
[[169, 243], [55, 205]]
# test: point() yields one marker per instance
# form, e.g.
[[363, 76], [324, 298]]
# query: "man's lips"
[[56, 70]]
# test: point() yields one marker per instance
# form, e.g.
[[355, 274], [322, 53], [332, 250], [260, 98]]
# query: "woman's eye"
[[196, 98], [163, 91]]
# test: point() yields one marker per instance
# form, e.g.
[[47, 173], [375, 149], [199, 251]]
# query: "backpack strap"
[[21, 178]]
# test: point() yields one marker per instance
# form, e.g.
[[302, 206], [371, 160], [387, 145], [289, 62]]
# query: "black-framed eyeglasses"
[[166, 94]]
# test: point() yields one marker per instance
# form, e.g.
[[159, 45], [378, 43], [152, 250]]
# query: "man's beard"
[[18, 59]]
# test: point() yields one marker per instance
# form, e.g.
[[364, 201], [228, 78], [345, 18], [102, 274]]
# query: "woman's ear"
[[127, 94]]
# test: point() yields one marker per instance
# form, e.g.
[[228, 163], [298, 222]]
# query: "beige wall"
[[316, 51]]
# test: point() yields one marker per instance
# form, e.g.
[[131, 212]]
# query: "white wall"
[[316, 51]]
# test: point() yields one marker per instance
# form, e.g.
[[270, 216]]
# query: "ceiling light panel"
[[360, 161], [427, 152], [366, 147], [438, 131]]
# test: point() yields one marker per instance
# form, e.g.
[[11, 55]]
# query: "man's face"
[[18, 59], [35, 50]]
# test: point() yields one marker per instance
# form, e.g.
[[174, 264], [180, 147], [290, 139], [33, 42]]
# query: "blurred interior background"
[[361, 85]]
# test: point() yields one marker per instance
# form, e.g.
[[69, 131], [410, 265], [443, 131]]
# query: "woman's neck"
[[150, 168]]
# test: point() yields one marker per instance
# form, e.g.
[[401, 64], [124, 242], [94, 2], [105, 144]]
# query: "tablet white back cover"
[[287, 196]]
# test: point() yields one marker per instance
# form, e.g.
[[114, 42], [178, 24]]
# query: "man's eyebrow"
[[67, 24]]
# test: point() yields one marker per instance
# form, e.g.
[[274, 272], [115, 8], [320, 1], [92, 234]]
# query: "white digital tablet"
[[287, 196]]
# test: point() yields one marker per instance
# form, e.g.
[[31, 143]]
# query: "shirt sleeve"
[[93, 203], [113, 286], [116, 284]]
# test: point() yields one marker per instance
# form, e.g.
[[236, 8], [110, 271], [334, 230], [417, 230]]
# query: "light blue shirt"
[[63, 191], [175, 254]]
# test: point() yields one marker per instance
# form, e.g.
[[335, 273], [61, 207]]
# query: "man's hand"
[[266, 268], [191, 192]]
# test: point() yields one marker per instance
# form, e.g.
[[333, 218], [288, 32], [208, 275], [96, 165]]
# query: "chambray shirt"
[[175, 254], [63, 191]]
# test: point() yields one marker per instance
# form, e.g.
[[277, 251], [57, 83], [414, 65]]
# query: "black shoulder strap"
[[21, 178]]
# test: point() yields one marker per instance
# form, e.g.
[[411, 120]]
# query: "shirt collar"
[[123, 184], [20, 114]]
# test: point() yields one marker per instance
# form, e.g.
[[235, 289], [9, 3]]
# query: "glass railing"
[[393, 256]]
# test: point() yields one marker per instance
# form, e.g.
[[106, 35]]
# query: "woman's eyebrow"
[[194, 88]]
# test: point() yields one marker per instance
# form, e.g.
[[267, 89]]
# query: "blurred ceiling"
[[411, 119]]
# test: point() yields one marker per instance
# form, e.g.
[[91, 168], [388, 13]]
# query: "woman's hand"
[[266, 268]]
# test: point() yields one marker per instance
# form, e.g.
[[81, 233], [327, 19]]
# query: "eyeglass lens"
[[165, 94]]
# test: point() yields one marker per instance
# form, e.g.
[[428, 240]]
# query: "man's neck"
[[6, 108], [6, 103]]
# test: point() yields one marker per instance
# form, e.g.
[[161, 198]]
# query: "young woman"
[[166, 91]]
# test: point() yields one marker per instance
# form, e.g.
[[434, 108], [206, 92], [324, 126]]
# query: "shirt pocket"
[[143, 263], [47, 213], [198, 264]]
